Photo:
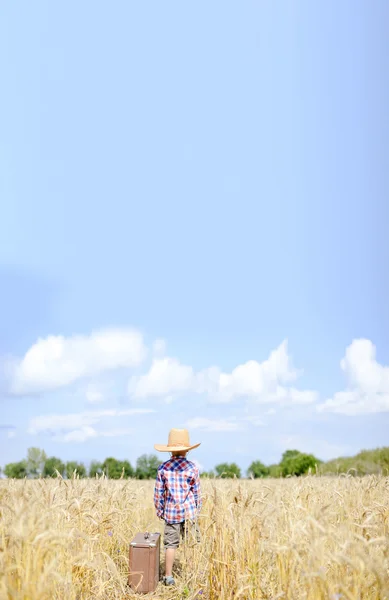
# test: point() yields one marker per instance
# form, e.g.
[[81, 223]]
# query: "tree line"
[[293, 463], [38, 464]]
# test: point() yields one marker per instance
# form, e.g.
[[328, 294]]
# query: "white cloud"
[[166, 377], [264, 382], [93, 394], [229, 424], [85, 433], [256, 421], [368, 383], [259, 380], [213, 424], [57, 361], [78, 435], [78, 421], [11, 434]]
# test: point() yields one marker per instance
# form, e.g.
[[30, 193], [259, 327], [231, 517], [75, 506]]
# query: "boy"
[[177, 495]]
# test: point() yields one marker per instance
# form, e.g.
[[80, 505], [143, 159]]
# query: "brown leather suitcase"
[[144, 562]]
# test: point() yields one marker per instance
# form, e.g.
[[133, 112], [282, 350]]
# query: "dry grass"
[[311, 538]]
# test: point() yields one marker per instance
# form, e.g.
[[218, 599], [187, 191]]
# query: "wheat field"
[[311, 538]]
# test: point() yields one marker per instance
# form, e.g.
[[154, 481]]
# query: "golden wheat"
[[311, 538]]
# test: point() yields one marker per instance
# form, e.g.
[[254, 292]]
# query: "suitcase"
[[144, 562]]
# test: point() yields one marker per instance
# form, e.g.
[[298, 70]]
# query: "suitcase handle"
[[147, 535]]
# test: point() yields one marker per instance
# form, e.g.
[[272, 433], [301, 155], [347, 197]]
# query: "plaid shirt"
[[177, 495]]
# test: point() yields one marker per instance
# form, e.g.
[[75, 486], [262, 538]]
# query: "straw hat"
[[178, 440]]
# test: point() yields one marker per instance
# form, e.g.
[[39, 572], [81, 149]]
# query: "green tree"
[[115, 469], [36, 459], [298, 464], [228, 470], [52, 465], [207, 474], [381, 455], [95, 468], [257, 470], [366, 462], [74, 467], [147, 466], [289, 454], [17, 470], [112, 468], [275, 471], [127, 469]]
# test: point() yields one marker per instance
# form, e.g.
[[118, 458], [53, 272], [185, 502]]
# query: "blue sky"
[[193, 228]]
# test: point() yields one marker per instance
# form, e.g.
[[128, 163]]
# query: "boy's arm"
[[196, 488], [159, 495]]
